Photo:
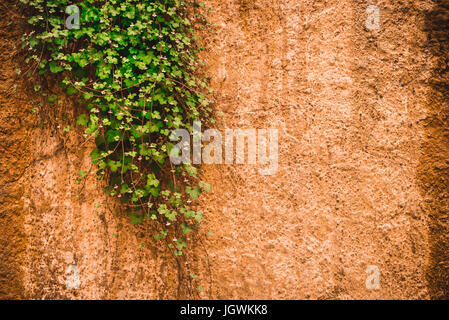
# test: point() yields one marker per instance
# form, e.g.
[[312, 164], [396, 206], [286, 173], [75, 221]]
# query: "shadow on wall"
[[434, 164], [15, 157]]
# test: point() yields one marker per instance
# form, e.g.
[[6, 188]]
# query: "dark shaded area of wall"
[[435, 159], [15, 122]]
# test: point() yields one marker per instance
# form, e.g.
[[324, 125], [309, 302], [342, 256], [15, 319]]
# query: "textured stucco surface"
[[362, 164], [14, 159], [346, 193]]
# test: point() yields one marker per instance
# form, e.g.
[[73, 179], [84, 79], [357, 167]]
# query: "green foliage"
[[134, 63]]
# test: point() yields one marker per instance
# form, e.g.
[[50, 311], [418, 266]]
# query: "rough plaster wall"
[[346, 194], [351, 107], [15, 158]]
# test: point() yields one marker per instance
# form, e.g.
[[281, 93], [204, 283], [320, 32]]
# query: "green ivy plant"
[[134, 62]]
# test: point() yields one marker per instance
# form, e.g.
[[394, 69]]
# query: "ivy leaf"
[[82, 120], [136, 219], [114, 165], [185, 229], [54, 67], [71, 90], [112, 136], [193, 192], [191, 170], [204, 186], [52, 98], [155, 191], [124, 188]]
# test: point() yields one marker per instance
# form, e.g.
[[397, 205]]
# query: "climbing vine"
[[134, 65]]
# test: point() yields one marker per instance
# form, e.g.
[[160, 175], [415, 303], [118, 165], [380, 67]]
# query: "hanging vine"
[[134, 63]]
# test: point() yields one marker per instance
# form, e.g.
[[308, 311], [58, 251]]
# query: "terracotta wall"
[[360, 133]]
